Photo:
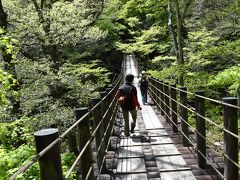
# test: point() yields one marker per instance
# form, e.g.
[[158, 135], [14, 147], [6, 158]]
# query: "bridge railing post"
[[230, 115], [184, 115], [99, 135], [158, 95], [50, 163], [109, 110], [167, 109], [161, 97], [153, 90], [103, 108], [200, 128], [150, 87], [86, 161], [174, 107]]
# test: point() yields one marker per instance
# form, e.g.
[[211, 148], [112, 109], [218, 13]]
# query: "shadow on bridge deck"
[[153, 151]]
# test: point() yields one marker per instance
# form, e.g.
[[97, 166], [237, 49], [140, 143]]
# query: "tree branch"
[[97, 15], [185, 10], [40, 15]]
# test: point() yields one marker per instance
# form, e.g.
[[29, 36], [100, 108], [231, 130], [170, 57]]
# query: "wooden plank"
[[139, 176], [181, 175], [157, 132], [171, 162], [175, 170], [130, 151], [150, 118], [130, 141], [157, 140], [129, 165], [164, 149]]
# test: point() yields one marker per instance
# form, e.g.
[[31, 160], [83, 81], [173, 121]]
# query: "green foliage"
[[167, 74], [223, 56], [11, 160], [222, 17], [6, 91], [228, 79], [146, 34], [16, 133], [160, 62], [7, 45], [68, 159], [50, 97], [58, 23]]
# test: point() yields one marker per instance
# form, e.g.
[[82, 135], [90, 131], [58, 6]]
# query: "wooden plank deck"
[[153, 152], [150, 152]]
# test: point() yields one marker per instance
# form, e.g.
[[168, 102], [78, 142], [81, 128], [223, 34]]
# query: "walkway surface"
[[150, 152]]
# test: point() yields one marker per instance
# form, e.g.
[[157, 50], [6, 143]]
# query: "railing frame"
[[106, 119], [231, 137]]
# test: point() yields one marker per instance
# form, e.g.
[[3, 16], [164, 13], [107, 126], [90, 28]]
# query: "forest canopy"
[[56, 55]]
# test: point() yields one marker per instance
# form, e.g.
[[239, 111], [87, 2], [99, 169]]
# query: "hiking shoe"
[[132, 129]]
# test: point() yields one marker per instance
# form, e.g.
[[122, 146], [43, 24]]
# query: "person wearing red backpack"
[[127, 96]]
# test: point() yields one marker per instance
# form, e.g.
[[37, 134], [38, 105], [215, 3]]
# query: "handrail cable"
[[92, 136], [35, 158], [205, 118], [190, 125], [109, 140], [212, 165], [195, 130], [203, 97], [192, 128], [111, 119]]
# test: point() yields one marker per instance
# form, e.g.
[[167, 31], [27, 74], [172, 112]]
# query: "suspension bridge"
[[165, 145]]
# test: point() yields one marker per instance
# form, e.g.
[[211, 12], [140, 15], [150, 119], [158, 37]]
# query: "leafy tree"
[[222, 17], [9, 85], [229, 78], [181, 9], [6, 93], [146, 30], [50, 25]]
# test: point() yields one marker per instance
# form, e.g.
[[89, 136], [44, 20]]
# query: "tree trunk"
[[180, 44], [3, 17], [54, 56], [51, 50], [238, 96], [177, 34], [170, 25]]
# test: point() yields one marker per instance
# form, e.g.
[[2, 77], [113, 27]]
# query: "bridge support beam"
[[201, 129], [99, 135], [184, 115], [167, 109], [50, 162], [174, 107], [86, 161], [162, 98], [230, 115]]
